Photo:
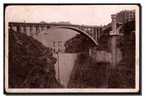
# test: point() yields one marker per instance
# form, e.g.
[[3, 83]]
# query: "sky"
[[76, 14]]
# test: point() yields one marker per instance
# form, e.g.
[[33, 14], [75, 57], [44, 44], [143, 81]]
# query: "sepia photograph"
[[72, 48]]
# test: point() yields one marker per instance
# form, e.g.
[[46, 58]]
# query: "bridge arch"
[[80, 31]]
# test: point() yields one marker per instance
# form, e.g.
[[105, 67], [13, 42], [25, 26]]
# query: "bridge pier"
[[114, 50], [114, 36]]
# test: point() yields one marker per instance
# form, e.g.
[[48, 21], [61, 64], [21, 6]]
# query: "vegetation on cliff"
[[31, 65]]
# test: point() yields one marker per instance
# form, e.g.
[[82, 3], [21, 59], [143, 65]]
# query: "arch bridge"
[[92, 32]]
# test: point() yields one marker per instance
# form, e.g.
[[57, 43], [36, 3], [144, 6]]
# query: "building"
[[58, 46]]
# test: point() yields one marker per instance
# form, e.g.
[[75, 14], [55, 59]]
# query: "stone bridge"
[[92, 32]]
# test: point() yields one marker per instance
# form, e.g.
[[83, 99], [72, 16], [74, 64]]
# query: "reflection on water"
[[66, 63]]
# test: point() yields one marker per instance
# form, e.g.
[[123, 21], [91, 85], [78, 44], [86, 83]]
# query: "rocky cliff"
[[31, 65]]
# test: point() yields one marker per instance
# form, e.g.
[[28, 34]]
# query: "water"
[[66, 63]]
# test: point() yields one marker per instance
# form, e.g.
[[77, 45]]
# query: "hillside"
[[31, 65]]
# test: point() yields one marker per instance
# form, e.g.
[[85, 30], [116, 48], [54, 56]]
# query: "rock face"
[[125, 71], [87, 73], [95, 71], [79, 43], [31, 65]]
